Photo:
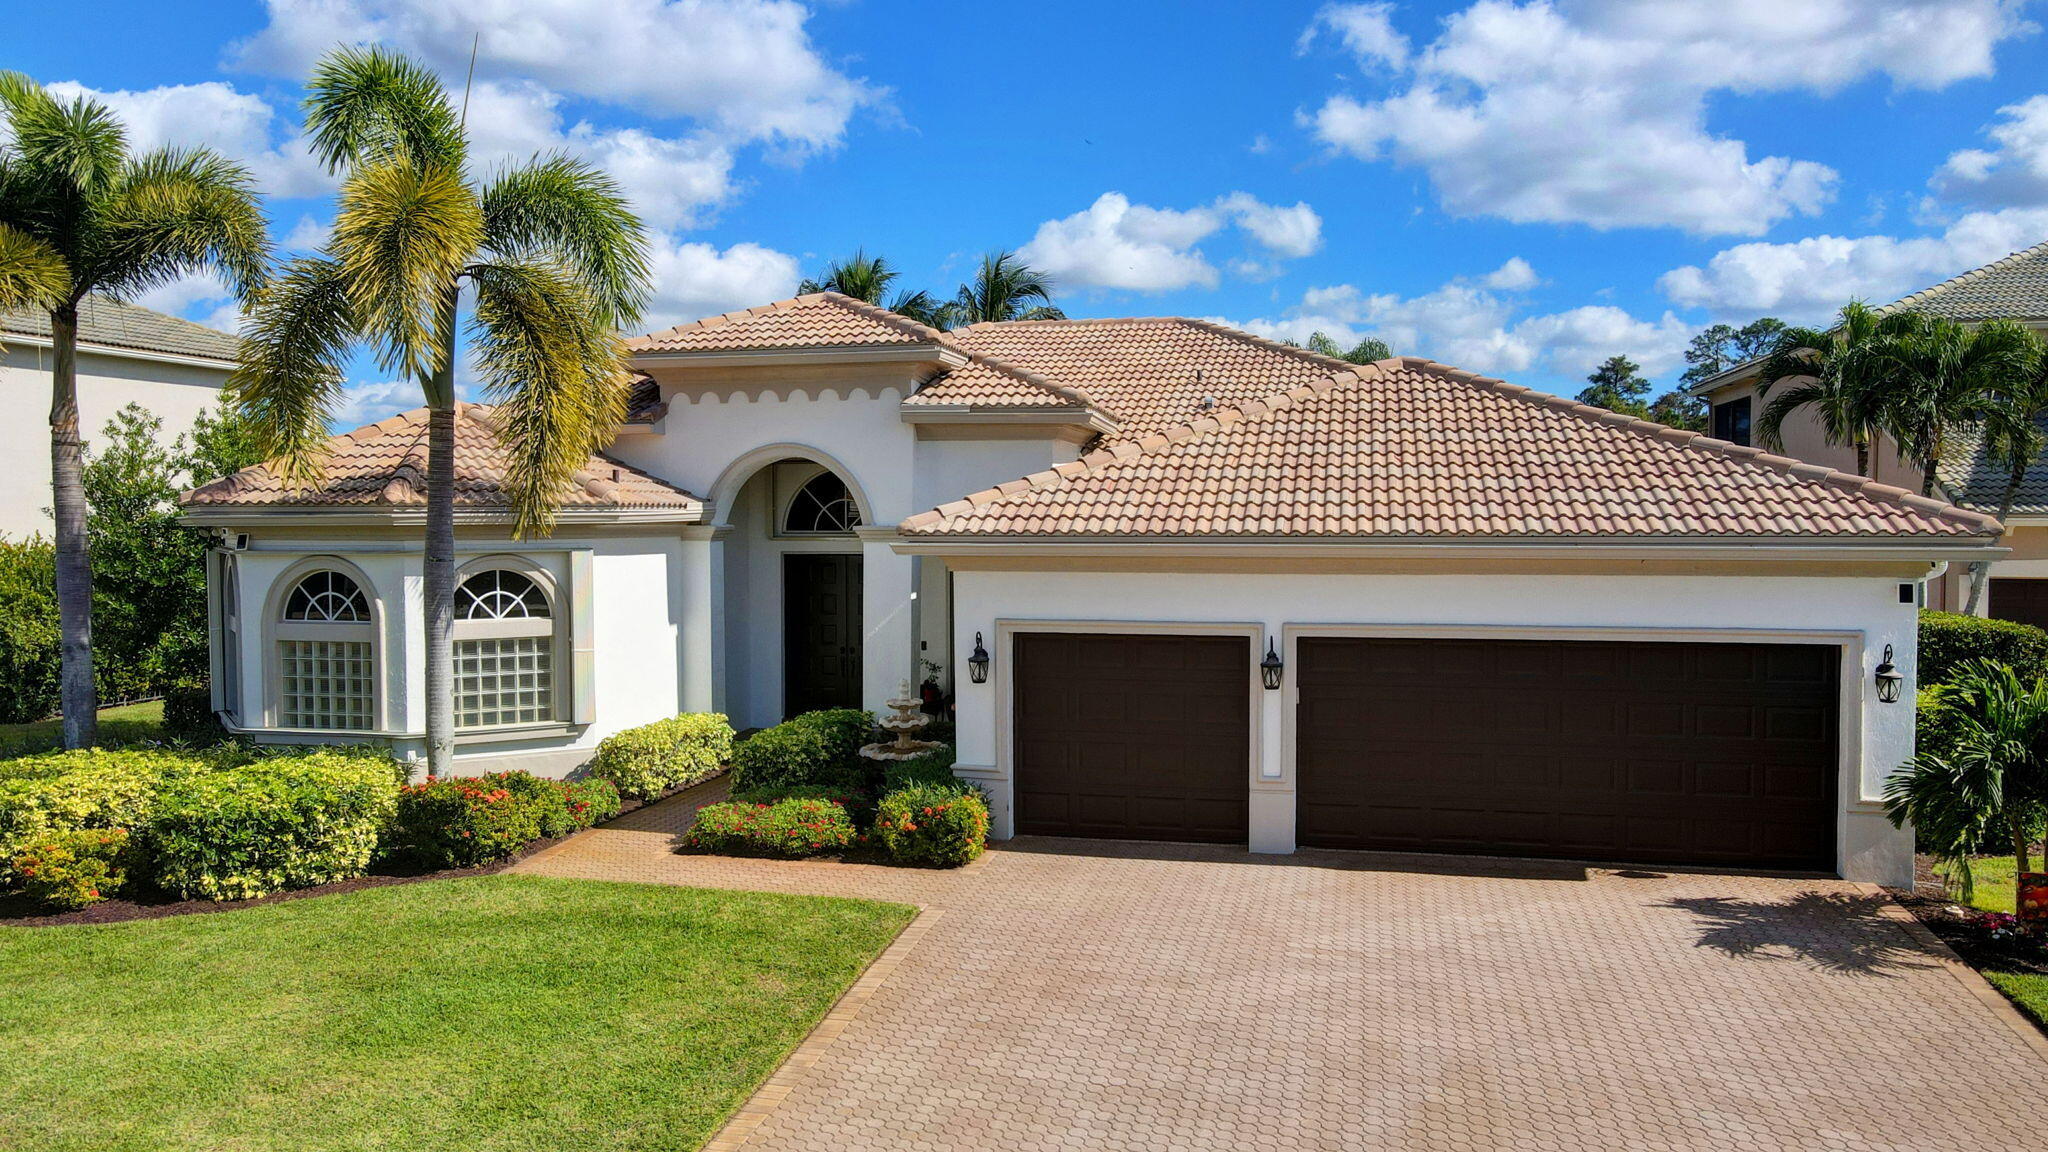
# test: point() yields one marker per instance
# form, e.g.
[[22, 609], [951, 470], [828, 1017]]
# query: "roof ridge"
[[1701, 442], [1333, 363], [1908, 301]]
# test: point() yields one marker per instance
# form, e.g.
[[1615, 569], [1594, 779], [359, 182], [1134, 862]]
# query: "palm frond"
[[175, 211], [917, 305], [1003, 288], [561, 210], [860, 276], [367, 105], [79, 142], [32, 274], [402, 235], [296, 337]]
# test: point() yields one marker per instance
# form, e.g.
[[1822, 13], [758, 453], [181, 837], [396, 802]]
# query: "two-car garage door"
[[1660, 752]]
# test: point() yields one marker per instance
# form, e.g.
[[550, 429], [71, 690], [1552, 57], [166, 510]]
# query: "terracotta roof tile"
[[819, 320], [385, 465]]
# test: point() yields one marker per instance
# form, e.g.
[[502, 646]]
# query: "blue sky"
[[1518, 188]]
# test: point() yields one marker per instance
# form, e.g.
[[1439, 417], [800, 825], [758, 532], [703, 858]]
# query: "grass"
[[493, 1014], [2029, 990], [1997, 891], [120, 724]]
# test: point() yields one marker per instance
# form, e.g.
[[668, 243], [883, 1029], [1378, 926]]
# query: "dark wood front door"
[[821, 631], [2021, 600], [1671, 753], [1132, 736]]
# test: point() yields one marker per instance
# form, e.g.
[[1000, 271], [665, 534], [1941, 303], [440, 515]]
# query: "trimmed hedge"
[[653, 758], [934, 767], [1934, 723], [464, 821], [1950, 639], [940, 825], [279, 822], [817, 749], [789, 828], [89, 788], [859, 804], [71, 870]]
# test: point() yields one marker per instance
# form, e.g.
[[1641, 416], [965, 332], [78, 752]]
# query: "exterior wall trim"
[[742, 469]]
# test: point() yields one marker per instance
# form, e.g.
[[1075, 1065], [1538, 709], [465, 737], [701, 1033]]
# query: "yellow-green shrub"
[[70, 870], [89, 788], [279, 822], [646, 761]]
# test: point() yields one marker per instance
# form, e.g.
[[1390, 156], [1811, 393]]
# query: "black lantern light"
[[1888, 679], [1269, 668], [977, 664]]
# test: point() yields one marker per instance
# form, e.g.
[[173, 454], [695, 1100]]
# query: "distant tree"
[[1618, 385], [1716, 349], [1003, 288], [1680, 409], [867, 278], [2013, 436], [1365, 351]]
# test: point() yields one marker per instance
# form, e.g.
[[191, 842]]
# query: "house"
[[1186, 584], [2012, 288], [126, 355]]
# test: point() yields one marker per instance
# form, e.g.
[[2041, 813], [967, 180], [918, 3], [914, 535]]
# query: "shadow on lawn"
[[1836, 931]]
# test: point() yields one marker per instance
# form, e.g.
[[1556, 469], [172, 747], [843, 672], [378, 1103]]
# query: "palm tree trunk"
[[1980, 571], [2020, 859], [440, 552], [1863, 457], [74, 556]]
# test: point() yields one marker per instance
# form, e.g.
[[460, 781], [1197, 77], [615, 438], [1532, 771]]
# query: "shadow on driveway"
[[1835, 931]]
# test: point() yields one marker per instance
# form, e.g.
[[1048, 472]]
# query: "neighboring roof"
[[2013, 288], [1408, 448], [112, 324], [818, 320], [384, 465], [645, 405], [1972, 479]]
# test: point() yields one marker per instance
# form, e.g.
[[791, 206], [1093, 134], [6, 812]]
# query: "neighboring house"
[[126, 355], [1500, 621], [2014, 288]]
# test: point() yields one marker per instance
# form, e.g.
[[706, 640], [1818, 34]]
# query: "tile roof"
[[818, 320], [2012, 288], [1971, 478], [113, 324], [1410, 448], [644, 404], [384, 465]]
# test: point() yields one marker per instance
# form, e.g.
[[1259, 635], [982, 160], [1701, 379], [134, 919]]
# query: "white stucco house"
[[127, 354], [1217, 588]]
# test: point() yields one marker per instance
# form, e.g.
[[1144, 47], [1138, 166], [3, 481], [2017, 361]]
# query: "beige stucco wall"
[[1804, 440]]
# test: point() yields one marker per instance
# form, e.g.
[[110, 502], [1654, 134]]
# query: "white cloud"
[[368, 403], [213, 114], [1809, 279], [694, 280], [746, 69], [1513, 276], [1594, 111], [1114, 243], [2013, 175]]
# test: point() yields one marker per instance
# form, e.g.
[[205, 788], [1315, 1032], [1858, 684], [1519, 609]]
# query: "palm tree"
[[1829, 372], [79, 214], [1937, 373], [2013, 436], [1003, 288], [865, 277], [555, 263]]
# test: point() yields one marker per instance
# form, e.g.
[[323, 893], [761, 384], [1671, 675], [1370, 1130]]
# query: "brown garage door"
[[1132, 737], [1718, 754], [2023, 600]]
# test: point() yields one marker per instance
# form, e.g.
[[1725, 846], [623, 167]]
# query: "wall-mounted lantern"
[[1888, 679], [1269, 668], [977, 664]]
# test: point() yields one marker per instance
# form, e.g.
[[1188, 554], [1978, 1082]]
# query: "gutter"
[[1608, 548], [26, 341]]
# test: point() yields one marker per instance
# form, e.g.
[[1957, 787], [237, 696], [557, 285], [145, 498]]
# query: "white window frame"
[[562, 657], [277, 630], [784, 505]]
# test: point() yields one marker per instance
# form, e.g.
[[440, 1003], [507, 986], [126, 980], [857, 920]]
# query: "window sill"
[[516, 733]]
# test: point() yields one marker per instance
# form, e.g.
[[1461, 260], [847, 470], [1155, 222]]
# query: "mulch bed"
[[17, 910], [1931, 903]]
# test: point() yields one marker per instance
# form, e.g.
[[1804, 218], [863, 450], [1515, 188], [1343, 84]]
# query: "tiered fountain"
[[906, 720]]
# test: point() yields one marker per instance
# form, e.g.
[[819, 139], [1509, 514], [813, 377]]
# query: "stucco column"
[[700, 635], [1273, 805], [888, 618]]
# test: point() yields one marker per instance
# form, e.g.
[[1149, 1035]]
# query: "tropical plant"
[[2013, 436], [867, 278], [80, 213], [1618, 385], [1988, 789], [1003, 288], [555, 263], [1936, 374], [1830, 371], [1366, 351]]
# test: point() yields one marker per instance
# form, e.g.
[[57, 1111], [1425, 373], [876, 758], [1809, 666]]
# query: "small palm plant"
[[1983, 784], [81, 214], [2013, 436], [867, 278], [554, 262], [1003, 288], [1830, 372]]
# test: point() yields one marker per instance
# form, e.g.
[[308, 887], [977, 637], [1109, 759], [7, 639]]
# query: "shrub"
[[1936, 725], [70, 870], [789, 828], [943, 825], [819, 749], [277, 822], [560, 807], [1949, 639], [646, 761], [859, 805], [188, 714], [28, 630], [464, 821], [89, 788], [934, 767]]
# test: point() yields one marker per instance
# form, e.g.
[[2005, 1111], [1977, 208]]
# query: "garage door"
[[1132, 737], [1716, 754], [2023, 600]]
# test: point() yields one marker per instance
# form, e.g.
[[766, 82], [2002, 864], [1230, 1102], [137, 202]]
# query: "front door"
[[821, 631]]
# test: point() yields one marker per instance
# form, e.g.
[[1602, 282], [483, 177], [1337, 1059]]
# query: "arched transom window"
[[822, 506], [326, 646], [504, 650]]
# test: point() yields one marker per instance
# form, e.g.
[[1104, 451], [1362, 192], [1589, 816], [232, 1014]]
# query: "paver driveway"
[[1084, 995]]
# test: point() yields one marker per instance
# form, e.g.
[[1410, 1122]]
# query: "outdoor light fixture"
[[1269, 668], [1888, 679], [977, 664]]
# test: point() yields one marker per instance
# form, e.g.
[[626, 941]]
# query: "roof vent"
[[1208, 403]]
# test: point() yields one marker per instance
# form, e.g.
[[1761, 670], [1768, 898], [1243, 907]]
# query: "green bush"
[[560, 807], [188, 715], [653, 758], [28, 630], [820, 749], [464, 821], [859, 805], [942, 825], [788, 828], [1950, 639], [277, 822], [70, 870], [934, 767], [89, 788], [1935, 724]]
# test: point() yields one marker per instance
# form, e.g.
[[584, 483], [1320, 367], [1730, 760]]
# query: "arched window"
[[325, 647], [504, 650], [822, 506]]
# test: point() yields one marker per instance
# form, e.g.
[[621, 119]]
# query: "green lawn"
[[1996, 886], [493, 1014], [2029, 990], [121, 724]]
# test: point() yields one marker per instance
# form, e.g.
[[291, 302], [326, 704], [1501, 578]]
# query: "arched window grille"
[[823, 506], [504, 650], [326, 648]]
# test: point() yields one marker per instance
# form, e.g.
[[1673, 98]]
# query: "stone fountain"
[[906, 719]]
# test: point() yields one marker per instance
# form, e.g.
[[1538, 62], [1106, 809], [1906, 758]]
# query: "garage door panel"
[[1658, 752]]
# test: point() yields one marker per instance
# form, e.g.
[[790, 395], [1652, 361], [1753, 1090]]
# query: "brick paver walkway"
[[1086, 995]]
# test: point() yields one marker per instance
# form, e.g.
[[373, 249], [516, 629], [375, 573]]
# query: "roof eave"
[[1888, 548], [125, 353], [1091, 418], [407, 516], [894, 353]]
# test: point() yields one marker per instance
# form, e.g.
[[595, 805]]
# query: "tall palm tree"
[[1828, 371], [555, 264], [80, 213], [2013, 436], [1003, 288], [1937, 373], [865, 277]]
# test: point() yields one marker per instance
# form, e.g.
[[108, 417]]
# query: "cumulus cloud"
[[1594, 112], [370, 402], [2014, 174], [212, 114], [694, 280], [1809, 279], [1114, 243]]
